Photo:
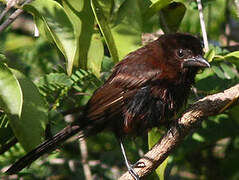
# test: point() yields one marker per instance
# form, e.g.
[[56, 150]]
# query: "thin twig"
[[84, 159], [189, 121], [12, 17], [203, 27]]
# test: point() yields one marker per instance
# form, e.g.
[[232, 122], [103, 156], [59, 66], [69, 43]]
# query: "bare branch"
[[191, 119], [12, 17]]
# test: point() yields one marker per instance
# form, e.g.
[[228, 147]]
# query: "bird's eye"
[[180, 53]]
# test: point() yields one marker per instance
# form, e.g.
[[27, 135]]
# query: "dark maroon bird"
[[144, 90]]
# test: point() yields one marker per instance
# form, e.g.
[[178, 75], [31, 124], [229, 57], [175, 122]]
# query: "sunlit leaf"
[[105, 29], [95, 55], [82, 16], [198, 137], [119, 37], [30, 127], [59, 26], [127, 39], [155, 7], [11, 99], [210, 55]]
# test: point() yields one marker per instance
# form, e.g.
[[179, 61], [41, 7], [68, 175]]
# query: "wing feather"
[[127, 78]]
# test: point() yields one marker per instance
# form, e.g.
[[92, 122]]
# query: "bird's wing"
[[134, 72]]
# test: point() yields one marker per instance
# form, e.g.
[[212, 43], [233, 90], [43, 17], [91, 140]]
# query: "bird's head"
[[184, 51]]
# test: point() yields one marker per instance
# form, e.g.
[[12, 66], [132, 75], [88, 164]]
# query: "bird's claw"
[[132, 171]]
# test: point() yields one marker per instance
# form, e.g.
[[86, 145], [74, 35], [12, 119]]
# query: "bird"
[[144, 90]]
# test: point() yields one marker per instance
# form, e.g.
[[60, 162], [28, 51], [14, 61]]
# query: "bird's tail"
[[43, 148]]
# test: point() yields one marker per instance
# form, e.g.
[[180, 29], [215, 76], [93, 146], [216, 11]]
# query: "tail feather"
[[43, 148]]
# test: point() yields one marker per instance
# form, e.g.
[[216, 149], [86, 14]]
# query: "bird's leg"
[[128, 165]]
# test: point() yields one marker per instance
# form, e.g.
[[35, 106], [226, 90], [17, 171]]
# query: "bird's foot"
[[131, 170]]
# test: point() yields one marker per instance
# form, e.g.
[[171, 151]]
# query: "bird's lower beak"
[[197, 61]]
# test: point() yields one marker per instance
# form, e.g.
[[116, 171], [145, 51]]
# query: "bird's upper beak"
[[197, 61]]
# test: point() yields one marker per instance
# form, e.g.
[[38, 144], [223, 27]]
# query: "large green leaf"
[[10, 102], [127, 27], [58, 25], [232, 57], [153, 137], [11, 99], [103, 23], [122, 30], [82, 17], [29, 128]]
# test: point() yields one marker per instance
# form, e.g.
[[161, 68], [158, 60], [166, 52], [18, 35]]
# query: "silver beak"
[[197, 61]]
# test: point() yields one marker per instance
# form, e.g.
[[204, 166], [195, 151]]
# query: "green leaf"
[[171, 17], [218, 71], [58, 25], [228, 71], [55, 80], [233, 58], [120, 39], [153, 137], [10, 101], [198, 137], [82, 17], [11, 98], [30, 127], [230, 57], [105, 29], [210, 55], [234, 54], [155, 7], [95, 55], [127, 28]]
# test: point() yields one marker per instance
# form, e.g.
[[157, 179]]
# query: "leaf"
[[231, 57], [58, 25], [11, 99], [120, 39], [105, 29], [218, 71], [95, 55], [127, 39], [54, 80], [155, 7], [198, 137], [210, 55], [153, 137], [171, 17], [30, 127], [82, 16], [228, 71]]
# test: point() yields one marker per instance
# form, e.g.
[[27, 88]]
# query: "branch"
[[13, 16], [190, 120]]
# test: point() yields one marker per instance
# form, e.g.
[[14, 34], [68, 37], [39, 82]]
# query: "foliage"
[[46, 81]]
